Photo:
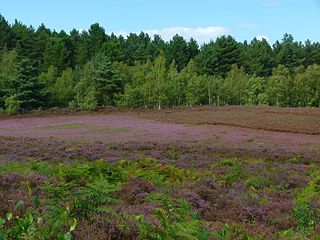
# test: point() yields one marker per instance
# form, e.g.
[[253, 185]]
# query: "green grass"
[[108, 130], [92, 129], [66, 126]]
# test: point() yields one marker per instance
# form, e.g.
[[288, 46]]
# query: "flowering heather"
[[123, 177], [101, 130]]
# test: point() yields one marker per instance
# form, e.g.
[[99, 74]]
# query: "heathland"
[[112, 137], [232, 172]]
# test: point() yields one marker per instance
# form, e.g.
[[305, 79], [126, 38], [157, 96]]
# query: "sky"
[[201, 19]]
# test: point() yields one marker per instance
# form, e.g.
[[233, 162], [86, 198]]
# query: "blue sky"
[[201, 19]]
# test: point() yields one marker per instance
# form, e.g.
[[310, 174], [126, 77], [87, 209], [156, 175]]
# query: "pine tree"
[[179, 51], [107, 81], [26, 87], [5, 33]]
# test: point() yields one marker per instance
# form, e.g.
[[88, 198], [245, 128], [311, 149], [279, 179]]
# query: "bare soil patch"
[[296, 120]]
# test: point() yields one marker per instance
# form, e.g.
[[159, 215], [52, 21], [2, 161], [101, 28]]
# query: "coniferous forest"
[[41, 68]]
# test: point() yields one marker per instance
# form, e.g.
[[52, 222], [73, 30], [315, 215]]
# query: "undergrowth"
[[73, 192], [145, 199]]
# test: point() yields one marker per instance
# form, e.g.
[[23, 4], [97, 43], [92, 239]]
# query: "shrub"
[[258, 182], [176, 220], [90, 100], [13, 104], [236, 173], [32, 225], [304, 212]]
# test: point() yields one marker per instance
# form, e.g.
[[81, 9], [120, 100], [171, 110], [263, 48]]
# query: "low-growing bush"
[[12, 104], [236, 173], [304, 212], [148, 199], [258, 182]]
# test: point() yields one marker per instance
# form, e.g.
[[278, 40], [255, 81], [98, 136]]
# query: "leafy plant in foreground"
[[304, 212], [30, 226], [176, 220]]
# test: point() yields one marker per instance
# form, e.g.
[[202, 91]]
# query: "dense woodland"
[[42, 68]]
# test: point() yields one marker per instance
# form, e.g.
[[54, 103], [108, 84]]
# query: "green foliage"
[[90, 101], [107, 81], [63, 87], [177, 221], [178, 51], [233, 87], [24, 86], [290, 234], [254, 91], [229, 232], [228, 162], [258, 182], [281, 87], [113, 48], [216, 58], [30, 226], [99, 84], [155, 172], [81, 189], [50, 79], [91, 69], [305, 215], [12, 104], [259, 57], [236, 173], [194, 84], [137, 92], [155, 83], [56, 53], [304, 212], [9, 60]]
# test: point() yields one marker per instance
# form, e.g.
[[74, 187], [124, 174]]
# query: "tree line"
[[42, 68]]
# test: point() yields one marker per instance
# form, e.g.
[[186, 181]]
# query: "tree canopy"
[[44, 68]]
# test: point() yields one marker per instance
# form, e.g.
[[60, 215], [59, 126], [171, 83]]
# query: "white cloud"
[[261, 37], [201, 34], [122, 33]]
